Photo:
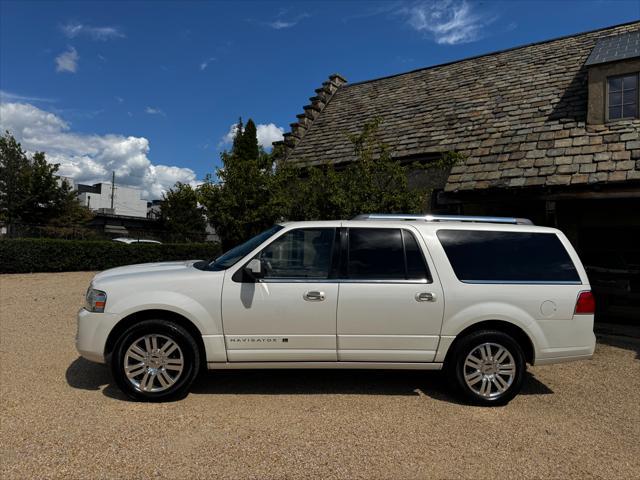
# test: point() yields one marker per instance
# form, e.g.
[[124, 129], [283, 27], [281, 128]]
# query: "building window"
[[622, 96]]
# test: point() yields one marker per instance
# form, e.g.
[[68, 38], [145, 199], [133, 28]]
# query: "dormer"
[[614, 79]]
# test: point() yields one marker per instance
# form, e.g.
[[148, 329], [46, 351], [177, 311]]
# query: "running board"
[[327, 365]]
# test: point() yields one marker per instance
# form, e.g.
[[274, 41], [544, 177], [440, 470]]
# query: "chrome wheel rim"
[[153, 363], [489, 370]]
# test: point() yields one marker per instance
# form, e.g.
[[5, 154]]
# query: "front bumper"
[[93, 331]]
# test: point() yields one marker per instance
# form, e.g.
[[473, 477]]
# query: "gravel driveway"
[[61, 416]]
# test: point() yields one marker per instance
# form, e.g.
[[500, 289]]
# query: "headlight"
[[95, 300]]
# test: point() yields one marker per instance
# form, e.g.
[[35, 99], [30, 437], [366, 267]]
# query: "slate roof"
[[614, 48], [519, 115]]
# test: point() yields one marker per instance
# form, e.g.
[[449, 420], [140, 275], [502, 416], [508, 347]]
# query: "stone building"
[[550, 131]]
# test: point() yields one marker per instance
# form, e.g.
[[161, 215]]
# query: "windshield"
[[231, 257]]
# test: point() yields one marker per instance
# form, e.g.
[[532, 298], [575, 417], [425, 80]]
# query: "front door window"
[[299, 254]]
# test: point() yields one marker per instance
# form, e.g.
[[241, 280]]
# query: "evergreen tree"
[[237, 138], [238, 207], [247, 145]]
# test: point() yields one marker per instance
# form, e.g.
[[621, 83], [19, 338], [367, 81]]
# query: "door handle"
[[313, 296], [425, 297]]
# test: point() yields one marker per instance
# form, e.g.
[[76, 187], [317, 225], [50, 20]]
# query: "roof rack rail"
[[443, 218]]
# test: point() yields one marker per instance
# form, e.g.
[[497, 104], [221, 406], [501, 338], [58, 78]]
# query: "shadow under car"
[[85, 375]]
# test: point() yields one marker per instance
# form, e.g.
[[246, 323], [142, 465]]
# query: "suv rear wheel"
[[155, 360], [488, 367]]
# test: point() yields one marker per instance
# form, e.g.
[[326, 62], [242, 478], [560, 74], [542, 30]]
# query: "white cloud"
[[14, 97], [72, 30], [90, 158], [449, 22], [67, 61], [280, 23], [374, 11], [154, 111], [269, 133], [266, 133], [205, 63], [227, 139]]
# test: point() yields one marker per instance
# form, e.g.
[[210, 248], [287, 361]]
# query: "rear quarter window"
[[480, 256]]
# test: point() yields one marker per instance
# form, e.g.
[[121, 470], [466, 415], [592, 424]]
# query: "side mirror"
[[254, 268]]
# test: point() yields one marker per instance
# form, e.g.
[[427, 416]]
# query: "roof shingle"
[[519, 115]]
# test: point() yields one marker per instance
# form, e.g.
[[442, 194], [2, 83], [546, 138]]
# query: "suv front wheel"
[[155, 360], [488, 367]]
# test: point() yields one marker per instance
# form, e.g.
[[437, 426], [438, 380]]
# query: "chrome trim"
[[425, 297], [422, 281], [522, 282], [313, 296], [443, 218], [349, 365]]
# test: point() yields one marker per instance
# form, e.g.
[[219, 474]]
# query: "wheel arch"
[[154, 314], [518, 334]]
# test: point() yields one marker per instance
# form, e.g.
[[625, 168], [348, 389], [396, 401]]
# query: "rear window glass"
[[505, 257]]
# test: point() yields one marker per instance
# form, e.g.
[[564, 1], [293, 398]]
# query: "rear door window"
[[384, 254], [479, 256], [416, 265]]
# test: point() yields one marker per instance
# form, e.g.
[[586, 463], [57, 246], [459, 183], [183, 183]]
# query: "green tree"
[[245, 143], [239, 205], [254, 190], [31, 191], [14, 179], [182, 215], [373, 182], [47, 194]]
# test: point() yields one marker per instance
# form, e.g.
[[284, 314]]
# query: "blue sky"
[[150, 89]]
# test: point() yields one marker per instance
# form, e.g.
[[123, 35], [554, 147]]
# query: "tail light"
[[586, 304]]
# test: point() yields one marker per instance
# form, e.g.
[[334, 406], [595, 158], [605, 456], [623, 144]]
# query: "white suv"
[[476, 296]]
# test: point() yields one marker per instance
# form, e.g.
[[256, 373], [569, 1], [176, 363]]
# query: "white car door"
[[390, 307], [287, 313]]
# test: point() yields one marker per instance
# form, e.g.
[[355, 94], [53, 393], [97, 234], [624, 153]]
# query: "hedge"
[[52, 255]]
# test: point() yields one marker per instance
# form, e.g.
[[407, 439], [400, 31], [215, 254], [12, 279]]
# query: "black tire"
[[187, 352], [491, 339]]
